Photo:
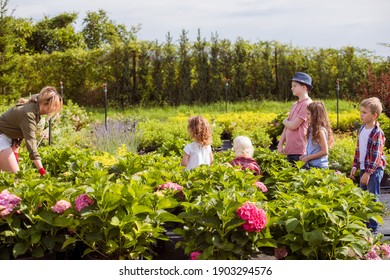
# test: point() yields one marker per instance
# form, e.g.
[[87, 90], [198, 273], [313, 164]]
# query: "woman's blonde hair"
[[200, 130], [242, 146], [48, 96]]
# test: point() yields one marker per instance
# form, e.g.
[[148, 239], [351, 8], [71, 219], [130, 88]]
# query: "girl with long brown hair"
[[319, 136]]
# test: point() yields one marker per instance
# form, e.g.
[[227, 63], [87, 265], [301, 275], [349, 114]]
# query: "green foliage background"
[[173, 72]]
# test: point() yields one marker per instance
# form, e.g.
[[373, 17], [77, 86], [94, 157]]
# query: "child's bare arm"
[[293, 124], [184, 160]]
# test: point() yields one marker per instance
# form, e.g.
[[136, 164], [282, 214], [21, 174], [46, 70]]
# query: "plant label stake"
[[50, 124], [337, 104], [105, 104], [226, 92]]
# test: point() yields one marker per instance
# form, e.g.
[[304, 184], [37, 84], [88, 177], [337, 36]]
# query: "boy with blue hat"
[[293, 139]]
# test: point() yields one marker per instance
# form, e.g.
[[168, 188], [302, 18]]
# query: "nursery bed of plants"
[[127, 199]]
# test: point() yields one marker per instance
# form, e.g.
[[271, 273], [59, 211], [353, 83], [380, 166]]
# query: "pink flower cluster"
[[8, 202], [83, 201], [61, 206], [261, 186], [195, 255], [379, 252], [170, 185], [255, 218]]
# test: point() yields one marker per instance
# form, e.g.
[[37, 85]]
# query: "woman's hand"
[[42, 171]]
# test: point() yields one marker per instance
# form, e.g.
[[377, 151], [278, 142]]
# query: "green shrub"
[[169, 137], [321, 215], [342, 153], [275, 127], [258, 136], [210, 222]]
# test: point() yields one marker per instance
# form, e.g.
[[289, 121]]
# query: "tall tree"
[[169, 70], [99, 30], [144, 70], [201, 73], [9, 63], [55, 34], [157, 76], [184, 69], [216, 90], [240, 69], [226, 61]]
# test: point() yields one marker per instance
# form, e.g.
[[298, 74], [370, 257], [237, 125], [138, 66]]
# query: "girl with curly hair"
[[199, 151]]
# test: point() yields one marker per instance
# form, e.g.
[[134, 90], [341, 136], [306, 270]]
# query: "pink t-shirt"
[[296, 139]]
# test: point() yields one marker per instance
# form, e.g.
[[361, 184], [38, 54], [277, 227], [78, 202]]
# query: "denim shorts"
[[5, 142], [293, 158]]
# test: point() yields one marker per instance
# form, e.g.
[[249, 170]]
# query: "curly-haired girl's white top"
[[198, 155]]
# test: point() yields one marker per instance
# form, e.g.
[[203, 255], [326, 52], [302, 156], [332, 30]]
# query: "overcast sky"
[[303, 23]]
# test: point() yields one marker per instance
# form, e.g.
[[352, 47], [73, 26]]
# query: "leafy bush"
[[211, 224], [384, 122], [275, 127], [35, 230], [348, 121], [244, 121], [258, 136], [342, 153], [321, 215], [169, 137]]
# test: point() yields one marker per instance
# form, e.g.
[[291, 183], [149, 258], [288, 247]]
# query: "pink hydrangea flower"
[[261, 186], [195, 255], [280, 252], [385, 249], [8, 202], [170, 185], [255, 218], [82, 201], [4, 211], [61, 206], [373, 253]]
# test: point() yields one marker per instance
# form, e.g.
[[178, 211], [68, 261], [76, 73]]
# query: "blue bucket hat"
[[303, 78]]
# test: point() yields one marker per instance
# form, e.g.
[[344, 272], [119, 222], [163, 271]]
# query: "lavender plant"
[[117, 133]]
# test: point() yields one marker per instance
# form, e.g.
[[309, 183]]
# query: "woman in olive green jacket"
[[20, 122]]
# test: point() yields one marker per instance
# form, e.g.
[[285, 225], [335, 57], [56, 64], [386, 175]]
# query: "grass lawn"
[[162, 113]]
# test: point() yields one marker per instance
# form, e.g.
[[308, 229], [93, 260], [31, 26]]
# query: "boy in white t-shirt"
[[369, 155]]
